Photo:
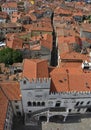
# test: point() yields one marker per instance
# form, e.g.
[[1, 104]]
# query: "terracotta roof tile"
[[68, 39], [10, 5], [11, 89], [32, 16], [3, 15], [86, 27], [39, 26], [60, 10], [66, 44], [64, 79], [78, 13], [75, 56], [15, 43], [47, 41], [35, 47], [70, 64], [34, 68], [3, 109]]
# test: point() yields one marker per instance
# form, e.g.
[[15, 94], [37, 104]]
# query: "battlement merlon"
[[71, 94], [39, 83]]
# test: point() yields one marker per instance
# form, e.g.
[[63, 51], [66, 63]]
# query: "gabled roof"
[[47, 41], [66, 79], [11, 89], [86, 27], [10, 5], [75, 56], [66, 44], [35, 68], [60, 10], [3, 15], [3, 109]]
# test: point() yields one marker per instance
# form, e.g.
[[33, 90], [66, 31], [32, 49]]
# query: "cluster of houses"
[[43, 31]]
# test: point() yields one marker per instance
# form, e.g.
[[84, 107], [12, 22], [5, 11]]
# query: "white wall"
[[39, 92], [9, 10], [35, 91], [18, 104], [9, 118]]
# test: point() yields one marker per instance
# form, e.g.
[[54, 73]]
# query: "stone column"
[[48, 116]]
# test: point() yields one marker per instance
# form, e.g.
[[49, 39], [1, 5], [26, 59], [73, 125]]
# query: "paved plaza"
[[76, 122], [72, 124], [18, 124]]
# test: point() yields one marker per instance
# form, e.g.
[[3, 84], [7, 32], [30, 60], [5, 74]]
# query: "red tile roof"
[[60, 10], [10, 5], [3, 109], [32, 16], [68, 39], [47, 41], [66, 79], [39, 26], [3, 15], [35, 47], [63, 19], [70, 64], [75, 56], [86, 27], [35, 68], [15, 43], [66, 44], [78, 13], [8, 91], [11, 89]]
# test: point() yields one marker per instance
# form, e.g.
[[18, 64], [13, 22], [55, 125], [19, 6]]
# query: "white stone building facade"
[[9, 10], [38, 101], [17, 107]]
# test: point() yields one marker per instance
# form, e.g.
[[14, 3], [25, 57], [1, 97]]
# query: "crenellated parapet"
[[42, 83], [69, 94]]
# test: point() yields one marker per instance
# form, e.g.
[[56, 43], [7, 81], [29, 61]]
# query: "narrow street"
[[54, 53]]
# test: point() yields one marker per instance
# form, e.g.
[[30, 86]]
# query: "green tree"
[[10, 56], [17, 56]]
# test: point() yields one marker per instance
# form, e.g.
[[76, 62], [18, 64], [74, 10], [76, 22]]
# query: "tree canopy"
[[10, 56]]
